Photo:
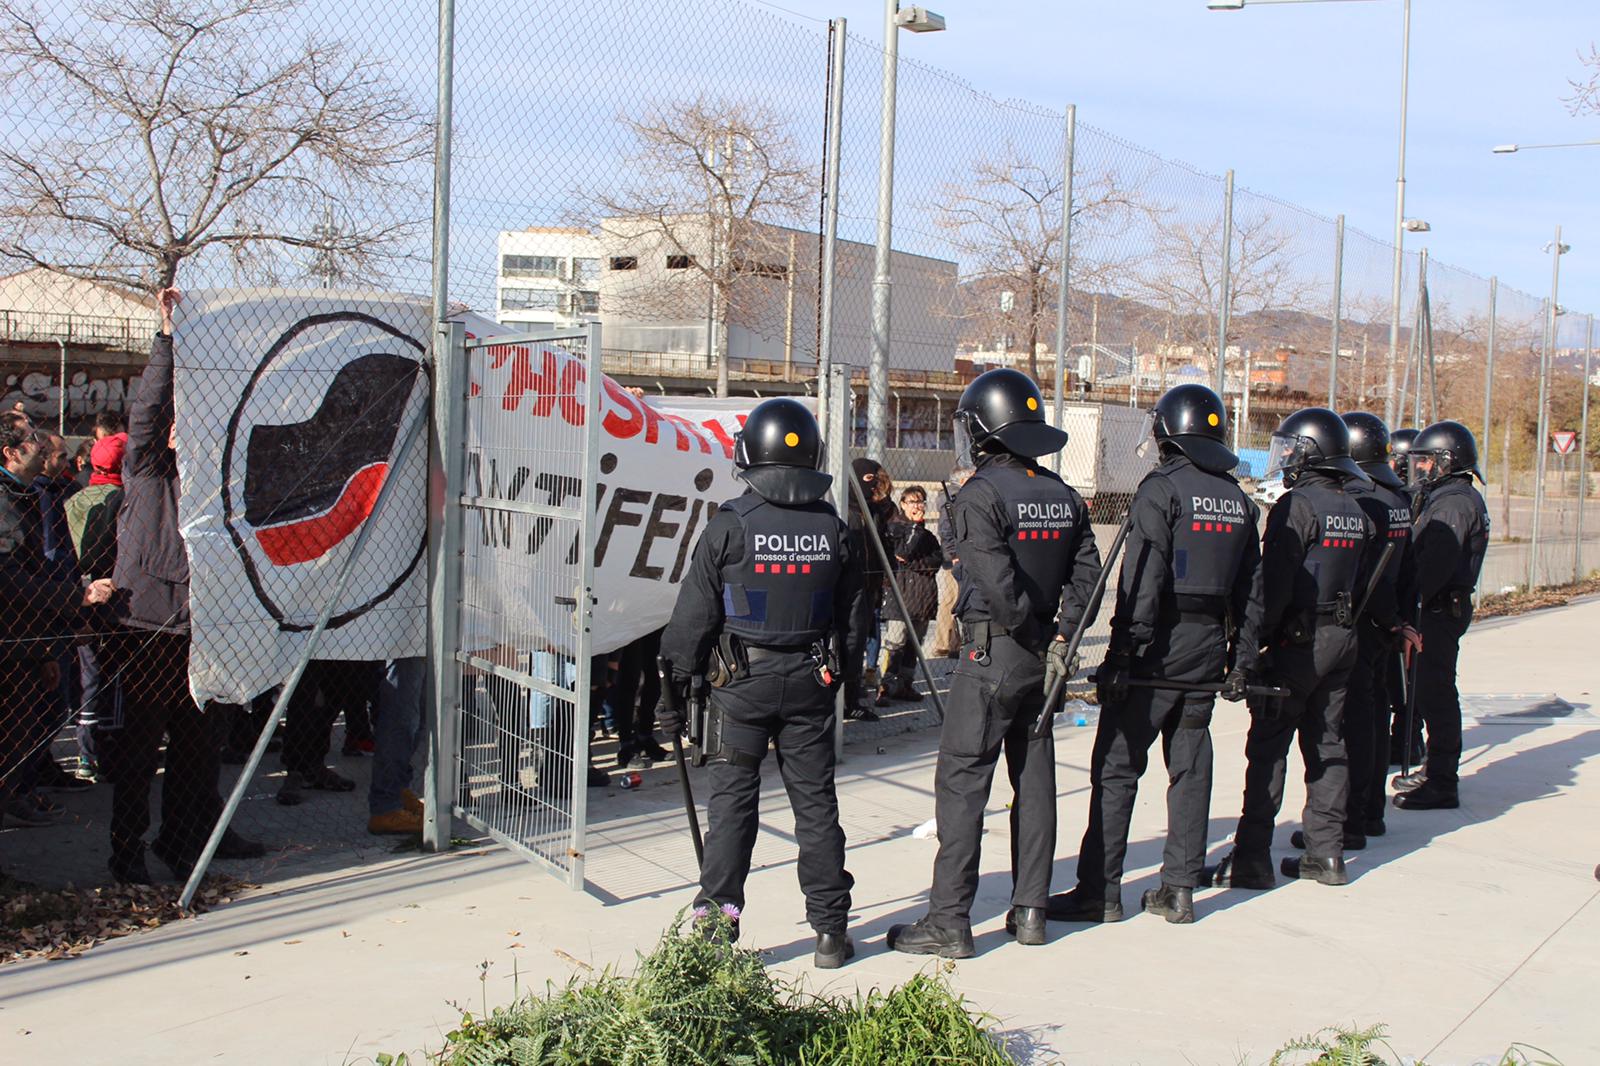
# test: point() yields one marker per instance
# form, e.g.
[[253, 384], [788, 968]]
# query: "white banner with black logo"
[[290, 406]]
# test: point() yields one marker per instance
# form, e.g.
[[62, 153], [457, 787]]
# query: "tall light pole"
[[1399, 181], [917, 20]]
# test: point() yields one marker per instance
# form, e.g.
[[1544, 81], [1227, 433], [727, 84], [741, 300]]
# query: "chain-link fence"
[[668, 178]]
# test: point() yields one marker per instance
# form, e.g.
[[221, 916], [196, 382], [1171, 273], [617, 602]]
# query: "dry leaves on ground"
[[1523, 602], [39, 923]]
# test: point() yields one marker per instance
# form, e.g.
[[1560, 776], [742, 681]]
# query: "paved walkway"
[[1463, 931]]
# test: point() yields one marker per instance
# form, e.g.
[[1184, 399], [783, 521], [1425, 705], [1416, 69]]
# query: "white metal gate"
[[527, 449]]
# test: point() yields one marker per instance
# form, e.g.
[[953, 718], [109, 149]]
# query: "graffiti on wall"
[[89, 391]]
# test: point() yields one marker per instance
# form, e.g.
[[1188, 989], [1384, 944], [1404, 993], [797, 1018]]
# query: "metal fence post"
[[1064, 284], [830, 223], [444, 471], [1543, 436], [1488, 368], [583, 615], [1227, 286], [1578, 570], [883, 252], [1338, 312], [838, 436]]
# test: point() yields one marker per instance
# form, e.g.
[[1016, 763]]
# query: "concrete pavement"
[[1462, 930]]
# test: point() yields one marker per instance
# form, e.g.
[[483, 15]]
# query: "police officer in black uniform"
[[769, 594], [1367, 699], [1191, 557], [1317, 545], [1399, 445], [1029, 566], [1452, 535]]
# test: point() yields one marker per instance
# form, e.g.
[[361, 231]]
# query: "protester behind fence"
[[918, 558], [327, 688], [634, 694], [148, 653], [393, 807], [92, 524], [42, 609], [860, 653], [947, 633], [83, 463]]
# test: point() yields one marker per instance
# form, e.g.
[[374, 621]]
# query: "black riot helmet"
[[779, 450], [1192, 419], [1446, 449], [1313, 438], [1399, 444], [1369, 447], [1003, 411]]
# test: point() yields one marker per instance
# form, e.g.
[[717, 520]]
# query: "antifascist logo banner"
[[290, 407]]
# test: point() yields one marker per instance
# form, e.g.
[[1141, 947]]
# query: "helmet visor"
[[1285, 454], [1424, 468], [966, 447]]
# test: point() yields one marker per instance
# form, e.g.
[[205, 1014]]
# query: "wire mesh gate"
[[521, 671]]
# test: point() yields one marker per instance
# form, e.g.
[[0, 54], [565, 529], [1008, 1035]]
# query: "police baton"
[[1271, 692], [670, 696], [1372, 583], [1408, 680], [1052, 699]]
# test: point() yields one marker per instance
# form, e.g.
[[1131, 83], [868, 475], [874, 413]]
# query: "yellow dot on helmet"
[[791, 439], [1212, 418], [1033, 405]]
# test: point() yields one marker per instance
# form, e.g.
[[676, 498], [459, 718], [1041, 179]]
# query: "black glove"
[[674, 713], [1233, 688], [1057, 665], [1112, 679]]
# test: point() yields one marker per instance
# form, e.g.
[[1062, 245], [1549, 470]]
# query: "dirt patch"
[[38, 923], [1511, 603]]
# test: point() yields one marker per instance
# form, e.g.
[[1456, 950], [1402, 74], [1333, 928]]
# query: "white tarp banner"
[[290, 408], [664, 467]]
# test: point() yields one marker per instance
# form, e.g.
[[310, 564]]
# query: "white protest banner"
[[290, 406], [665, 466]]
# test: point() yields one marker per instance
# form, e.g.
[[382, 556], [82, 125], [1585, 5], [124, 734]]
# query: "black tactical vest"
[[1460, 492], [782, 591], [1333, 556], [1042, 518], [1213, 528], [1395, 517]]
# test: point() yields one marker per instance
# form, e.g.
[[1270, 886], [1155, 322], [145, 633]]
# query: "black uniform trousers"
[[149, 672], [993, 706], [1187, 651], [1313, 713], [1438, 703], [779, 702], [1366, 725]]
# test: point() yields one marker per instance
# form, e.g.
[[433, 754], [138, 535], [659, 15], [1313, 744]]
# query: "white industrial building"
[[647, 283]]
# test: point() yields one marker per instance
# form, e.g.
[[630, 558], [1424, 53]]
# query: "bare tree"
[[1585, 98], [713, 180], [200, 130], [1184, 277], [1006, 223]]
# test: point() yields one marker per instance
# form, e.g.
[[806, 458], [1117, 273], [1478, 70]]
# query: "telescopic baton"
[[1272, 692], [1052, 700], [1409, 680], [674, 700], [1372, 582]]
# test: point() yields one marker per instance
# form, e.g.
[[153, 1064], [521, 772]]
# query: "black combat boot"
[[1026, 924], [1429, 797], [833, 951], [1409, 782], [1175, 903], [926, 938], [1353, 841], [1374, 827], [1240, 871], [1081, 906], [1323, 871]]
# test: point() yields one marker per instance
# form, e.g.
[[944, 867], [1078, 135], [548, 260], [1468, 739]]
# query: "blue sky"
[[1301, 100]]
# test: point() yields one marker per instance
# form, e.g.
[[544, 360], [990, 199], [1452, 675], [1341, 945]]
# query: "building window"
[[624, 262], [680, 262], [585, 269], [528, 300], [586, 303], [761, 270], [530, 266]]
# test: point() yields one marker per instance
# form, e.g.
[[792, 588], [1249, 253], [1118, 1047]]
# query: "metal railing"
[[48, 327]]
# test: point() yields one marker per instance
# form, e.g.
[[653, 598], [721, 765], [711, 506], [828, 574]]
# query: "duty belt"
[[762, 653], [1201, 609]]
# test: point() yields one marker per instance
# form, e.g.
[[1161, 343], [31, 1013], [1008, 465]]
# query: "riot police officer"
[[770, 591], [1399, 445], [1367, 700], [1452, 535], [1191, 556], [1029, 565], [1317, 543]]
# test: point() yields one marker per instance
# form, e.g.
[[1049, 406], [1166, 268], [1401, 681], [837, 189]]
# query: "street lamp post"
[[1399, 181], [917, 20], [1508, 149]]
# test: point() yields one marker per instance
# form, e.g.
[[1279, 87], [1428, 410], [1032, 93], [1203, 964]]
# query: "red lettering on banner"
[[614, 423], [525, 379], [688, 431]]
